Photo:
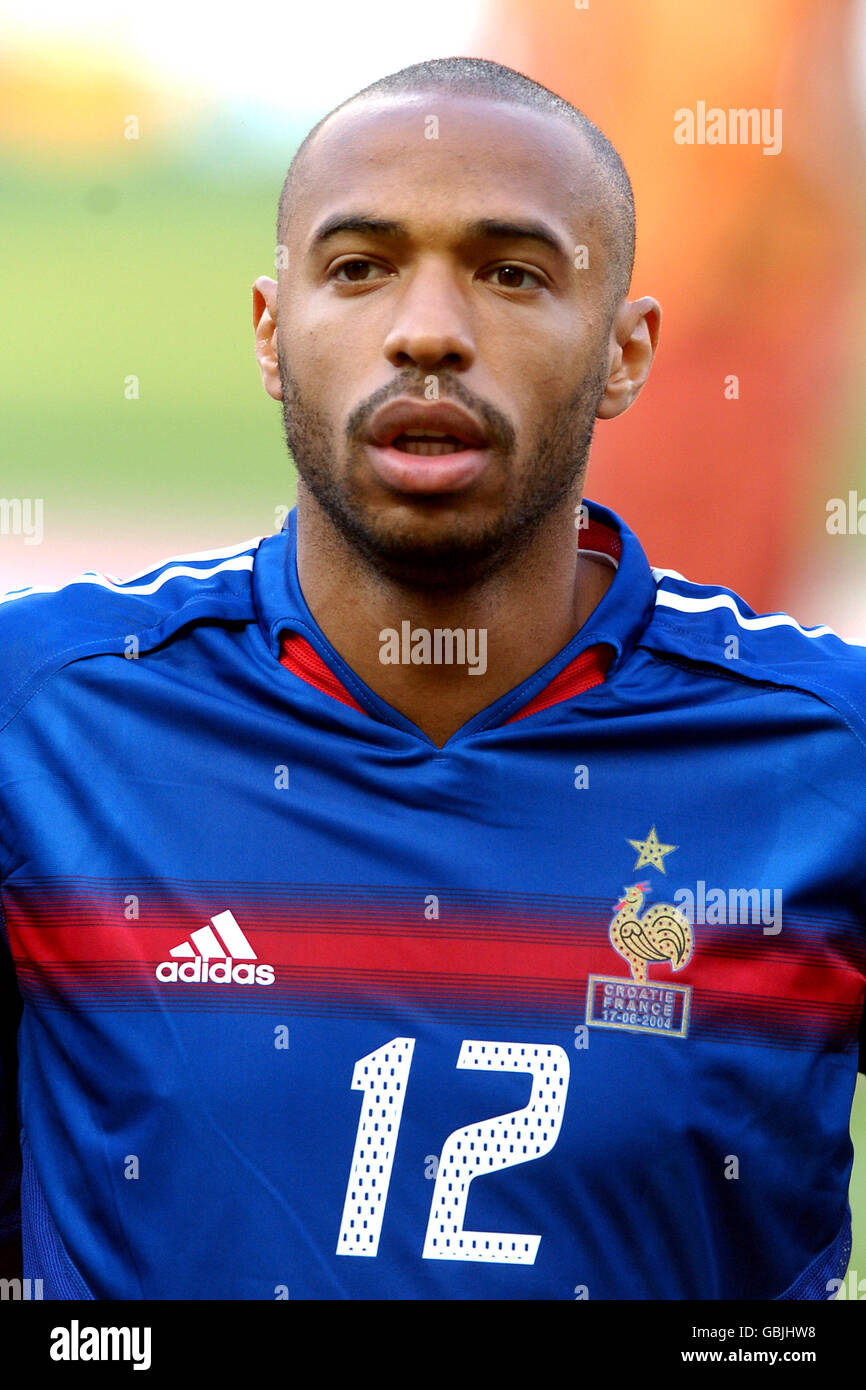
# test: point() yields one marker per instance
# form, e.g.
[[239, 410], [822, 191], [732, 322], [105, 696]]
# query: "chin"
[[443, 542], [452, 555]]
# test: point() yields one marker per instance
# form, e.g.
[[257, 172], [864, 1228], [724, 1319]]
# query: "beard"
[[467, 551]]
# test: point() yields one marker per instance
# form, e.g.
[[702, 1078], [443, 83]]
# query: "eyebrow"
[[484, 228]]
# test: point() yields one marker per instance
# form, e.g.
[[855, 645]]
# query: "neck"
[[512, 623]]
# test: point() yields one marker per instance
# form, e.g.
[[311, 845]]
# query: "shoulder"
[[43, 629], [713, 626]]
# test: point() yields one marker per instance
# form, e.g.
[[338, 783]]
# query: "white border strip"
[[224, 552], [766, 620], [236, 562]]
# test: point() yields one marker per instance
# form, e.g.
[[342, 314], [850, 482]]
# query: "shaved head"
[[456, 233], [612, 199]]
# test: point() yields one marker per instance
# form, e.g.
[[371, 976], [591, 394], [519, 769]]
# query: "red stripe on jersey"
[[320, 949], [346, 950]]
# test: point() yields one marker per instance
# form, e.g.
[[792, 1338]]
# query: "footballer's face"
[[435, 281]]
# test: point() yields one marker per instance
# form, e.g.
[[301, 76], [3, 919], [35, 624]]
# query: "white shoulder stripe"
[[236, 562], [224, 552], [766, 620]]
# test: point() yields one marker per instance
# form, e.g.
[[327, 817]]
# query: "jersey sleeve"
[[10, 1151]]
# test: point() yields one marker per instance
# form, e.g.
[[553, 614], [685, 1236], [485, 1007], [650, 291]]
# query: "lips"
[[426, 476], [457, 456], [441, 417]]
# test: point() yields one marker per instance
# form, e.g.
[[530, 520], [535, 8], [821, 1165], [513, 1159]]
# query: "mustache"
[[500, 431]]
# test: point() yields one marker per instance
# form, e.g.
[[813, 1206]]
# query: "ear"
[[265, 325], [634, 336]]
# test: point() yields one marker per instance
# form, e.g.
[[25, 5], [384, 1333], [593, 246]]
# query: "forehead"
[[434, 152]]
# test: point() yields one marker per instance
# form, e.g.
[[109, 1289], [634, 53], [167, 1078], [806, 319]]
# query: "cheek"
[[548, 371], [330, 364], [311, 356]]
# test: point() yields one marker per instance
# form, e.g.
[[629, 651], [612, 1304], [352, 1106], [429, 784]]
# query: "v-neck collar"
[[596, 651]]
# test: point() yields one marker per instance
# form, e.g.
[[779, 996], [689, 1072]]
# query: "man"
[[439, 795]]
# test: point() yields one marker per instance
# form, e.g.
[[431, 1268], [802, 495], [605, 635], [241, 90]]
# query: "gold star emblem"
[[651, 851]]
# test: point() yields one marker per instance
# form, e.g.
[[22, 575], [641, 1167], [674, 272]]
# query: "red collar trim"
[[302, 660], [585, 671], [595, 536]]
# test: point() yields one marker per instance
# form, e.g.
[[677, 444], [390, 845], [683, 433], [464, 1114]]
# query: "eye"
[[359, 261], [513, 269]]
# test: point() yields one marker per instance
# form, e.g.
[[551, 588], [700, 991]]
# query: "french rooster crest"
[[663, 933]]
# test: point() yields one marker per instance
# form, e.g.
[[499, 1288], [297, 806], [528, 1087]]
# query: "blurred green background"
[[140, 274]]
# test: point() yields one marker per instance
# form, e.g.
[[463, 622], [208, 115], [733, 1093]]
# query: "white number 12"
[[487, 1146]]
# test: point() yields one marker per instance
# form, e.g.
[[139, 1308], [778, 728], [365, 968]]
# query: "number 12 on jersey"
[[487, 1146]]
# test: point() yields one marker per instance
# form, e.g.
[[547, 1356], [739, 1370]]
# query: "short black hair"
[[483, 78]]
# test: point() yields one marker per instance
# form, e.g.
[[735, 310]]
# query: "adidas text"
[[214, 972]]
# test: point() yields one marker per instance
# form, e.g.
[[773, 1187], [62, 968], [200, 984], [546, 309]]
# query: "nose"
[[431, 325]]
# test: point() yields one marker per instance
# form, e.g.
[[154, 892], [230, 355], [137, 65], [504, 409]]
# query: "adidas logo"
[[209, 957]]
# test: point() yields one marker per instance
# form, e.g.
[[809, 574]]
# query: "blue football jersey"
[[309, 1007]]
